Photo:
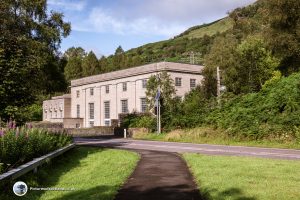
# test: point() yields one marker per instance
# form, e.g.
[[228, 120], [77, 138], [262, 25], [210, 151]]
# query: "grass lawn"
[[225, 177], [94, 173], [207, 135]]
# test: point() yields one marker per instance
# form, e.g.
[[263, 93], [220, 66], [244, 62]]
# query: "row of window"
[[124, 88], [178, 82], [55, 114], [124, 108]]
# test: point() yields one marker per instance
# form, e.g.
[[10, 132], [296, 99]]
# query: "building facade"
[[97, 100]]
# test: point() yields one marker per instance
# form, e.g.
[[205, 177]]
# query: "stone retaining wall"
[[92, 132]]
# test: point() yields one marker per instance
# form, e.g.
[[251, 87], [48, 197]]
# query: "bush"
[[272, 111], [138, 120], [18, 146]]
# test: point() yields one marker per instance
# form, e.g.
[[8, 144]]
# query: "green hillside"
[[210, 29]]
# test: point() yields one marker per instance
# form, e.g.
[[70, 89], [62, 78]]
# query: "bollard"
[[125, 133]]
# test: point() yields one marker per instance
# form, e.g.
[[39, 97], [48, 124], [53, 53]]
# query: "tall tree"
[[256, 65], [283, 34], [29, 41], [119, 51], [73, 69], [90, 65], [75, 52], [222, 54]]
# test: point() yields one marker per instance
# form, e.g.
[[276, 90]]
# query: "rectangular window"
[[107, 122], [107, 89], [91, 123], [124, 87], [177, 81], [143, 105], [92, 111], [77, 93], [78, 111], [192, 83], [106, 110], [77, 125], [144, 83], [91, 91], [124, 104]]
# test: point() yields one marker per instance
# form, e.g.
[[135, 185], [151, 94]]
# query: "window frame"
[[91, 111], [124, 86], [91, 124], [91, 91], [104, 109], [178, 81], [144, 83], [144, 107], [124, 109], [192, 87], [78, 110]]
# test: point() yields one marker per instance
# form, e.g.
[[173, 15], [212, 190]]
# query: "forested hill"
[[270, 23], [189, 46]]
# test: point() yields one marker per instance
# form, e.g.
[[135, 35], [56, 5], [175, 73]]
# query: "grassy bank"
[[206, 135], [94, 173], [225, 178]]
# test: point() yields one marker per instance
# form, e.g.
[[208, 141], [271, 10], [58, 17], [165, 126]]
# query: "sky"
[[103, 25]]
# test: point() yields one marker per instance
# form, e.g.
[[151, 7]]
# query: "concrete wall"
[[92, 132], [73, 122]]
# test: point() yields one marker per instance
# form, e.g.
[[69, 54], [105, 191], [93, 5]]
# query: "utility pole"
[[218, 85]]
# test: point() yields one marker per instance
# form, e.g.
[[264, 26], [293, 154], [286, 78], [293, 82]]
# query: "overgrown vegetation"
[[20, 145], [272, 113]]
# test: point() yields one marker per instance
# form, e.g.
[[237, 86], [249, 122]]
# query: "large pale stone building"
[[97, 100]]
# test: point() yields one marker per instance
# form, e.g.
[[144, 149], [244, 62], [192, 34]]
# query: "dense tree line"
[[29, 59]]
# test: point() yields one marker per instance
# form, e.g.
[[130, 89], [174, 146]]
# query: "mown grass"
[[207, 135], [94, 173], [232, 178]]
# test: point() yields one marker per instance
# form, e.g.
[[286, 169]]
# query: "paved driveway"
[[289, 154]]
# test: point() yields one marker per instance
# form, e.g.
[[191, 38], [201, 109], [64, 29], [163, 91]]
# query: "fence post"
[[125, 133]]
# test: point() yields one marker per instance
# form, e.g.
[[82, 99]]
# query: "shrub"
[[22, 145], [273, 110]]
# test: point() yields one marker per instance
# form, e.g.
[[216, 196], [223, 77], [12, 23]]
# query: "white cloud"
[[68, 5], [152, 17]]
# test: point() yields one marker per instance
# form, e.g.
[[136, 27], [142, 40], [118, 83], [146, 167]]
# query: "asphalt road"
[[160, 175], [208, 149]]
